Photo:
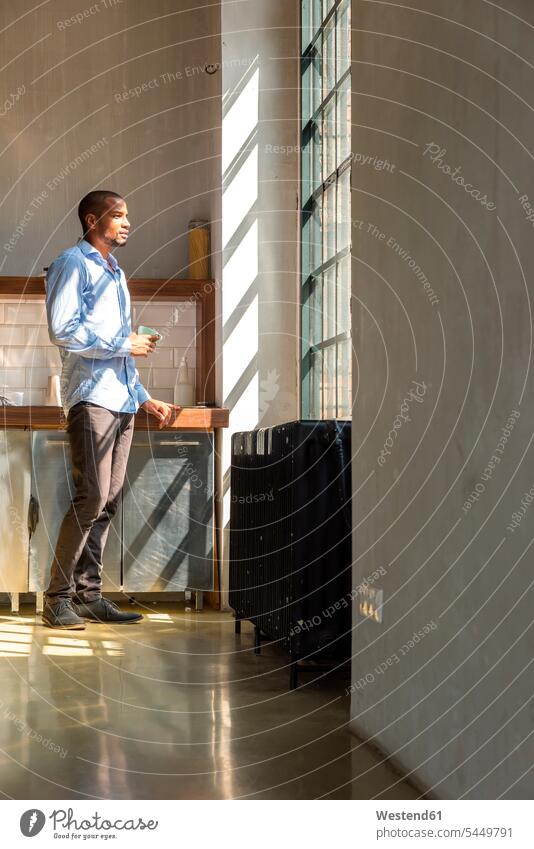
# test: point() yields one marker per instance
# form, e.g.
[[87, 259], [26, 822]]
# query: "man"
[[88, 311]]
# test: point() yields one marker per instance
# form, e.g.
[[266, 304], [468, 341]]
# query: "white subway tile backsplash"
[[11, 377], [166, 313], [163, 377], [184, 337], [34, 396], [30, 312], [191, 376], [176, 337], [12, 334], [176, 322], [19, 335], [185, 314], [182, 354], [164, 395], [161, 358], [144, 374], [27, 358], [152, 314], [29, 396], [52, 357], [36, 336], [37, 378], [32, 357], [147, 381]]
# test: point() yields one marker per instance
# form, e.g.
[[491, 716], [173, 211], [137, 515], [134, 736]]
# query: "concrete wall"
[[259, 306], [443, 390], [109, 95]]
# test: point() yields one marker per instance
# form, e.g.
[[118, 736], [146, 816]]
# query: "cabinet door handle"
[[178, 442], [165, 443], [33, 514]]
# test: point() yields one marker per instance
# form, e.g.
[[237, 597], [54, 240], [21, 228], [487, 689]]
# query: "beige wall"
[[451, 706], [118, 99], [259, 311]]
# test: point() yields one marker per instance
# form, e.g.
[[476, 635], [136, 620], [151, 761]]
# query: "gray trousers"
[[100, 442]]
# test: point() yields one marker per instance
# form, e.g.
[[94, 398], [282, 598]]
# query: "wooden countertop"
[[53, 418]]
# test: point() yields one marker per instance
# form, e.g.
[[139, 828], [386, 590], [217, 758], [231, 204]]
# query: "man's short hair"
[[94, 202]]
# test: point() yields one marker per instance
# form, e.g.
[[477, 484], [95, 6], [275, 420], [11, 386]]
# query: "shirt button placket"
[[124, 326]]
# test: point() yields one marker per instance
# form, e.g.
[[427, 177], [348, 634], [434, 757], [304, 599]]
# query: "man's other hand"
[[160, 410], [142, 344]]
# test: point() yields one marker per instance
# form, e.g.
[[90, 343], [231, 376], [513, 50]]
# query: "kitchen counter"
[[53, 418]]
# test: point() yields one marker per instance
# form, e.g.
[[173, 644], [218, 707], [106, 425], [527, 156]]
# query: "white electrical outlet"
[[370, 603]]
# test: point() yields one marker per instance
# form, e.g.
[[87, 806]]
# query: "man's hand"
[[142, 344], [162, 411]]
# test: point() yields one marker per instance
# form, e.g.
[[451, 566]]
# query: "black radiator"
[[290, 537]]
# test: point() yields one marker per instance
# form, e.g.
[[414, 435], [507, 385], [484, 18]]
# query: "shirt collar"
[[89, 250]]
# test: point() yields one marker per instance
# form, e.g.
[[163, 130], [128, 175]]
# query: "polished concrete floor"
[[175, 707]]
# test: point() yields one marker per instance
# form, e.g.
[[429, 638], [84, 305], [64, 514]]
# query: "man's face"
[[112, 225]]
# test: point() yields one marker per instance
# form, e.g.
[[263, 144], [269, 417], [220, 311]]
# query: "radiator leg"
[[199, 600], [237, 625], [293, 673], [257, 639], [39, 602], [14, 598]]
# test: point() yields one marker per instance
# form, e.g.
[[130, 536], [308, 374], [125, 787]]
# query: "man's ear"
[[90, 221]]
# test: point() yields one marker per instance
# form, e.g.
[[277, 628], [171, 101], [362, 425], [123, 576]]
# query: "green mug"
[[148, 331]]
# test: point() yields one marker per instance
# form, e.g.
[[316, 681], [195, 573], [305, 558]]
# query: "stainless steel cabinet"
[[51, 492], [15, 474], [161, 537], [168, 512]]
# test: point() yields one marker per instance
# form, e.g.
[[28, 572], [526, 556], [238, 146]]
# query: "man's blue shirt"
[[88, 311]]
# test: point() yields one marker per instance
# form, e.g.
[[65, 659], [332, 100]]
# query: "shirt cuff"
[[124, 346], [142, 395]]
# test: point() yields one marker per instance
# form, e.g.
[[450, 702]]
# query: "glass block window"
[[325, 196]]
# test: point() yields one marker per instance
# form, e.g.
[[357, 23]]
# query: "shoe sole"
[[112, 621], [79, 627]]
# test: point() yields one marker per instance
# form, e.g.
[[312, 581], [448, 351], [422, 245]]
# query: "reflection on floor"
[[175, 707]]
